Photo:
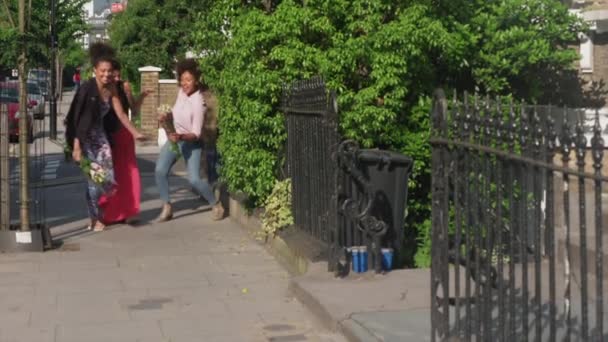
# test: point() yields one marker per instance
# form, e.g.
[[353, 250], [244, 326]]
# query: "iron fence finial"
[[597, 142]]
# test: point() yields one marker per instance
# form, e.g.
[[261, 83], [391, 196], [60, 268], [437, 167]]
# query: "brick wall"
[[149, 121], [594, 83], [587, 89], [583, 90], [167, 92], [600, 56]]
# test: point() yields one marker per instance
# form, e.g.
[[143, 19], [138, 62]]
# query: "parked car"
[[42, 77], [34, 95], [10, 99]]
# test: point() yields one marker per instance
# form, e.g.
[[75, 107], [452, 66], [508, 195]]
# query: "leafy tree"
[[522, 45], [8, 40], [162, 26], [70, 26], [384, 58]]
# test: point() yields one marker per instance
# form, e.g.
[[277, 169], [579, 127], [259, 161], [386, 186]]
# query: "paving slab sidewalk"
[[195, 280], [392, 307], [191, 279], [364, 307]]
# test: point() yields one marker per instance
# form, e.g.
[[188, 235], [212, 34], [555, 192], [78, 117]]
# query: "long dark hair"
[[116, 65], [101, 52]]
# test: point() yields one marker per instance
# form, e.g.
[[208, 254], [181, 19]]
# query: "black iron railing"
[[4, 168], [342, 196], [312, 138], [10, 169], [517, 237]]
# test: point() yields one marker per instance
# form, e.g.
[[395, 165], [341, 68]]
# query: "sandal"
[[99, 228]]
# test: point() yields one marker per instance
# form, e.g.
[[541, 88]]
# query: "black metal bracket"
[[348, 162]]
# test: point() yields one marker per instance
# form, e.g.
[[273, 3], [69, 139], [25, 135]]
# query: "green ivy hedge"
[[383, 58]]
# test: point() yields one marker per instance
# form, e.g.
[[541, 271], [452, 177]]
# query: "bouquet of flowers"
[[168, 126], [93, 170]]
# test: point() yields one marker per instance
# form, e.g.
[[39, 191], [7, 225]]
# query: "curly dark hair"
[[116, 65], [101, 52], [190, 65]]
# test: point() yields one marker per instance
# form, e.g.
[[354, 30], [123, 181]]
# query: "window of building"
[[586, 51]]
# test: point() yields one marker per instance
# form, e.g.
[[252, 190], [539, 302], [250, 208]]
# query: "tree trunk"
[[23, 125], [60, 67]]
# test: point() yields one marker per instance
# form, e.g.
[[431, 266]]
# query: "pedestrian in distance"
[[76, 79]]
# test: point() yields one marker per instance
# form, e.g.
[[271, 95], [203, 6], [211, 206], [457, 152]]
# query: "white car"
[[42, 78], [34, 94]]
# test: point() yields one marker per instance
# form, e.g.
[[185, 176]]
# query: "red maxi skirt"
[[124, 203]]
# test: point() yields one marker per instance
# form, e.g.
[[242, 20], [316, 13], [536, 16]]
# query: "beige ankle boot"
[[217, 212], [166, 214]]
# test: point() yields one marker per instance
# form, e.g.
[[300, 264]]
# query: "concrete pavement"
[[392, 307], [190, 279], [364, 307]]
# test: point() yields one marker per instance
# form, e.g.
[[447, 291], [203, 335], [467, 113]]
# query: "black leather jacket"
[[84, 112]]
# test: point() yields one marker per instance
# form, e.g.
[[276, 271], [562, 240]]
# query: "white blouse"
[[189, 113]]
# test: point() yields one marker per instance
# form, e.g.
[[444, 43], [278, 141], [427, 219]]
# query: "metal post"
[[23, 124], [5, 206], [53, 68]]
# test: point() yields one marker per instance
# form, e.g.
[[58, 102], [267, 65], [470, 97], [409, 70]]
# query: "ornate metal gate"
[[312, 131], [342, 196], [517, 235]]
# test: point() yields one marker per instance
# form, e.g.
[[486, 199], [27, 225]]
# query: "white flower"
[[164, 108], [97, 173]]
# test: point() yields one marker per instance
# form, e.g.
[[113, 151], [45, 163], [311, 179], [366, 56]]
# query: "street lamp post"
[[53, 68]]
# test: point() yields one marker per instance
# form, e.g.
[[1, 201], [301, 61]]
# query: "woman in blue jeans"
[[188, 116]]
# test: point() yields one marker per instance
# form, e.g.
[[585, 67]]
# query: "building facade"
[[594, 44], [98, 14], [592, 67]]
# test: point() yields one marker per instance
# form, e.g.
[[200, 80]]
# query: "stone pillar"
[[149, 120], [167, 92]]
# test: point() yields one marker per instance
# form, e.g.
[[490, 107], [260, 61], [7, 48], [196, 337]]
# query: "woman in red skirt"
[[123, 206]]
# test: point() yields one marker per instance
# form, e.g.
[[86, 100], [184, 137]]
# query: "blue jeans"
[[212, 165], [191, 152]]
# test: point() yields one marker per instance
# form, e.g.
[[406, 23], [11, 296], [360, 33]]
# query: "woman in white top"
[[188, 115]]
